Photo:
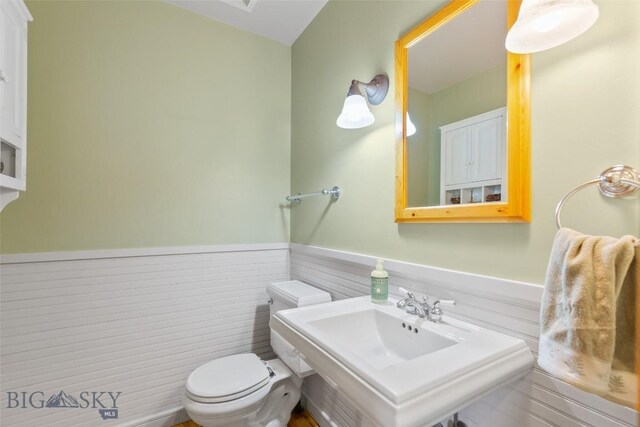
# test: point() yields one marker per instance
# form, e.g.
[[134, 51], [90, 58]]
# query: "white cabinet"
[[14, 17], [473, 159]]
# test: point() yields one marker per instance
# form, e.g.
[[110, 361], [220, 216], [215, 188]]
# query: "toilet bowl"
[[242, 390]]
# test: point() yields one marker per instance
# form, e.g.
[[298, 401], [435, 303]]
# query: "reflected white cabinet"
[[473, 159], [14, 17]]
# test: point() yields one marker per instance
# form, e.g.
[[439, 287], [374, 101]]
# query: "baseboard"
[[167, 418]]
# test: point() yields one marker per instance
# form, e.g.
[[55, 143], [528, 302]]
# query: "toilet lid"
[[227, 378]]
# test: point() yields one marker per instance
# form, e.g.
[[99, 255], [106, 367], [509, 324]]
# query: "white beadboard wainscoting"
[[131, 321], [139, 321], [502, 305]]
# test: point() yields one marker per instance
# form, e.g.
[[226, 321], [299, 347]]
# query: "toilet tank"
[[292, 294]]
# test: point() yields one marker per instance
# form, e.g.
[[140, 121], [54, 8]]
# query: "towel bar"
[[333, 192], [616, 181]]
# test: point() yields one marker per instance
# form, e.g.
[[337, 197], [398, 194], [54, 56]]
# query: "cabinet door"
[[456, 155], [13, 48], [486, 150]]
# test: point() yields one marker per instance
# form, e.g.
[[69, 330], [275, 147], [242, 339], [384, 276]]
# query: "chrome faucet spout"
[[403, 302], [423, 309], [414, 306]]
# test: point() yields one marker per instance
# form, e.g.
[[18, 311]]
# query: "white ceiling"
[[464, 47], [279, 20]]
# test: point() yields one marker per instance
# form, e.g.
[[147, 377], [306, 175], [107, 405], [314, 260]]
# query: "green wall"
[[149, 125], [152, 126], [585, 109]]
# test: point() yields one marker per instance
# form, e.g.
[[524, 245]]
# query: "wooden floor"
[[302, 420], [187, 424], [297, 420]]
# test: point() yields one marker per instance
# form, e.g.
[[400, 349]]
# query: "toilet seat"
[[228, 378], [260, 408]]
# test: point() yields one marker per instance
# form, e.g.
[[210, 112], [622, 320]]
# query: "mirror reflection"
[[457, 97]]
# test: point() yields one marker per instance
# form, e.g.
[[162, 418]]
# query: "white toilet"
[[243, 391]]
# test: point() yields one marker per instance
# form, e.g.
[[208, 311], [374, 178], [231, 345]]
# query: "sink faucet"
[[403, 303], [423, 309], [412, 306]]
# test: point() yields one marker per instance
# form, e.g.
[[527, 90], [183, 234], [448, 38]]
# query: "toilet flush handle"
[[270, 301]]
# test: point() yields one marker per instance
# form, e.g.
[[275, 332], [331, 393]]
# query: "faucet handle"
[[436, 311], [408, 292], [445, 303]]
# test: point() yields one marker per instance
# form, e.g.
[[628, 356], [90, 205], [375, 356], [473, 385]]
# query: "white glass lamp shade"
[[411, 128], [355, 113], [543, 24]]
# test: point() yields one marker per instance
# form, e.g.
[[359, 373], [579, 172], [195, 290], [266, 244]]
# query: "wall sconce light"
[[411, 128], [543, 24], [355, 112]]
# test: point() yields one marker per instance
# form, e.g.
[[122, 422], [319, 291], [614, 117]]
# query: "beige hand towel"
[[622, 380], [587, 335]]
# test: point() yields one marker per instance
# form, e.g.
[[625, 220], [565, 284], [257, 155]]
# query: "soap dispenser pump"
[[379, 284]]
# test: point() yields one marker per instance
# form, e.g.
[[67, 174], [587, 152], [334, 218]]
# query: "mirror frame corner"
[[517, 208]]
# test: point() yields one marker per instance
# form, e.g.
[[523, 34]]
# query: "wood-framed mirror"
[[467, 155]]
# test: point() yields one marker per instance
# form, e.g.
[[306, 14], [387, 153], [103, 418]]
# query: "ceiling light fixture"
[[544, 24]]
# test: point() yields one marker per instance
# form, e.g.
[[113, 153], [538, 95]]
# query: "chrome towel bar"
[[334, 193], [616, 181]]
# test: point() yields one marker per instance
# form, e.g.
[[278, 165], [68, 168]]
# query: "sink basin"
[[398, 369], [378, 337]]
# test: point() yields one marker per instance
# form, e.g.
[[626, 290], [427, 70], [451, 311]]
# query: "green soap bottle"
[[379, 284]]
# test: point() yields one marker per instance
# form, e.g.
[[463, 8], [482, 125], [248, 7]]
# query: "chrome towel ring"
[[616, 181]]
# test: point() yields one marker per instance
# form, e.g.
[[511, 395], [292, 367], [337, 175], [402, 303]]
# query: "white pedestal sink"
[[398, 369]]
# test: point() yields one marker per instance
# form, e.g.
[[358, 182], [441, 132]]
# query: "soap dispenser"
[[379, 284]]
